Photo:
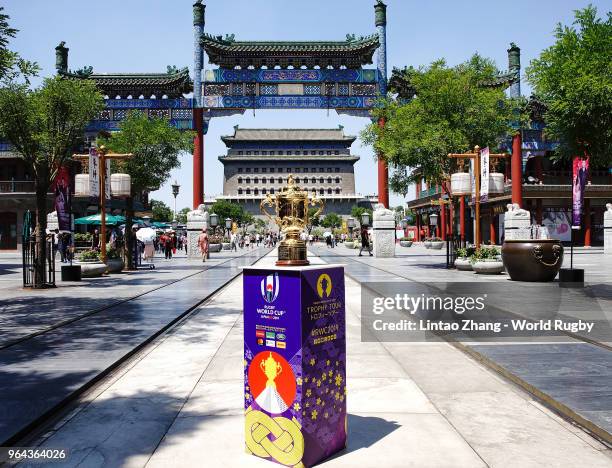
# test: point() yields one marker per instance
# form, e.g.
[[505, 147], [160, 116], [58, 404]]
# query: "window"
[[329, 191], [320, 153], [297, 180], [256, 153], [239, 180], [264, 180], [296, 170], [297, 153], [256, 169], [248, 169], [321, 180], [271, 170], [313, 181], [256, 180], [256, 191], [272, 190], [263, 191], [336, 152], [336, 169], [328, 152], [264, 153], [305, 169], [329, 169], [288, 153], [248, 180], [240, 170], [321, 169], [248, 152], [337, 191], [337, 180], [239, 191], [280, 169], [321, 191], [264, 169], [313, 153], [239, 153], [280, 180], [248, 191], [329, 180], [280, 153]]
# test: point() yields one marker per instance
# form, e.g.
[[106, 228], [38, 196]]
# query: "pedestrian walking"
[[365, 241], [203, 244], [233, 242]]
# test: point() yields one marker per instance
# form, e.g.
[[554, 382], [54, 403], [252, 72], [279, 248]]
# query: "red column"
[[383, 174], [587, 222], [517, 170], [539, 211], [462, 218], [198, 158], [443, 222], [418, 226], [492, 232], [451, 217]]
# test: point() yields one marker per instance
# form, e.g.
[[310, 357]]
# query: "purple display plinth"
[[294, 363]]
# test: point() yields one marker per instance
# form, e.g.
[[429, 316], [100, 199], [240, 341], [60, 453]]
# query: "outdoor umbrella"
[[146, 235], [327, 234], [97, 219]]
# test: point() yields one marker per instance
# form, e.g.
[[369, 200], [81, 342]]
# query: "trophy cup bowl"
[[291, 216]]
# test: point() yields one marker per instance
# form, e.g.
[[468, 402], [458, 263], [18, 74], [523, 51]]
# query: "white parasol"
[[146, 235]]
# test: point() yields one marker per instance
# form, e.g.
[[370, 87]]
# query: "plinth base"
[[292, 262]]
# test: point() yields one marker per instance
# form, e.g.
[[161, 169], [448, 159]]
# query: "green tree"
[[44, 126], [155, 146], [181, 216], [313, 219], [161, 211], [226, 209], [574, 78], [331, 221], [11, 64], [357, 211], [451, 111]]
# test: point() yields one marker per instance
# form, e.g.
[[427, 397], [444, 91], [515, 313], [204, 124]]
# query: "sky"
[[148, 35]]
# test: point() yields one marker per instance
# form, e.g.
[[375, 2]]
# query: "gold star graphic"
[[247, 396], [247, 387], [338, 379], [314, 413], [318, 383], [312, 361], [307, 405], [326, 415], [330, 373], [299, 381], [318, 401], [327, 362], [337, 363], [308, 392], [306, 379], [296, 406], [324, 376]]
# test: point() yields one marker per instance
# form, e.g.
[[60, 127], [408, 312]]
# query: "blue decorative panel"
[[290, 102], [312, 90], [364, 89], [343, 89], [236, 89], [223, 75], [148, 103], [268, 89], [250, 89], [120, 114], [105, 114], [159, 113], [182, 114]]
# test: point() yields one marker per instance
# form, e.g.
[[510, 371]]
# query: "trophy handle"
[[317, 201], [268, 201]]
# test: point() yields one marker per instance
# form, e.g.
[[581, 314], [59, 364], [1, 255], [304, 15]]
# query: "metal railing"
[[453, 243], [30, 256], [17, 186]]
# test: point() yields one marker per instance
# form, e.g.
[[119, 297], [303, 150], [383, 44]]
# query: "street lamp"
[[214, 221], [404, 223], [350, 223], [365, 218], [228, 225], [175, 192], [433, 219]]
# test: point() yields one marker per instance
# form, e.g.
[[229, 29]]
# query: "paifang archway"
[[250, 75]]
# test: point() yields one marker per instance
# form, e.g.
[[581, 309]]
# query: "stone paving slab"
[[429, 414], [575, 374], [40, 373]]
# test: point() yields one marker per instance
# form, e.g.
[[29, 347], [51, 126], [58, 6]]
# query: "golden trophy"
[[271, 370], [291, 206]]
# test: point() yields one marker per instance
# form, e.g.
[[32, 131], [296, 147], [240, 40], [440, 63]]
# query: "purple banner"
[[295, 363], [579, 180], [63, 201]]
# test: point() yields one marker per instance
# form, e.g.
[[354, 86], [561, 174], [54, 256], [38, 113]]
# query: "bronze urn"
[[533, 260]]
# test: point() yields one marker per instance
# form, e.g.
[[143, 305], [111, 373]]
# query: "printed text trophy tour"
[[291, 206]]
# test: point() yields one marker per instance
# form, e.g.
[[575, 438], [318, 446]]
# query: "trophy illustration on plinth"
[[291, 207]]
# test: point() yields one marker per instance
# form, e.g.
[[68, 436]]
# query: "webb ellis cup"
[[291, 207]]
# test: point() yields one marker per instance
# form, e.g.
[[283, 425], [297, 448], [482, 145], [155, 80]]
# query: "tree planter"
[[214, 247], [226, 246], [488, 266], [534, 260], [349, 244], [406, 243], [115, 265], [437, 245], [427, 244], [91, 268], [463, 264]]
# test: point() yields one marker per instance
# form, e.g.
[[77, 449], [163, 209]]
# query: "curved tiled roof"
[[351, 53], [288, 134]]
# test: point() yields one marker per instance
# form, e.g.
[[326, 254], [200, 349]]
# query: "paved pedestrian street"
[[179, 401]]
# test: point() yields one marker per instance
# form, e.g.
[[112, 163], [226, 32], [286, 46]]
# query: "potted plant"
[[405, 241], [427, 243], [90, 263], [462, 262], [487, 260], [437, 243], [226, 245], [114, 262], [215, 243], [349, 243]]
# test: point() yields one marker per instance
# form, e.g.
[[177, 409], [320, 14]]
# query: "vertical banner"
[[107, 184], [94, 176], [579, 180], [484, 175], [472, 181], [63, 202]]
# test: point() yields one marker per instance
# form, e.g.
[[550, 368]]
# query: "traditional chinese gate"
[[250, 75]]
